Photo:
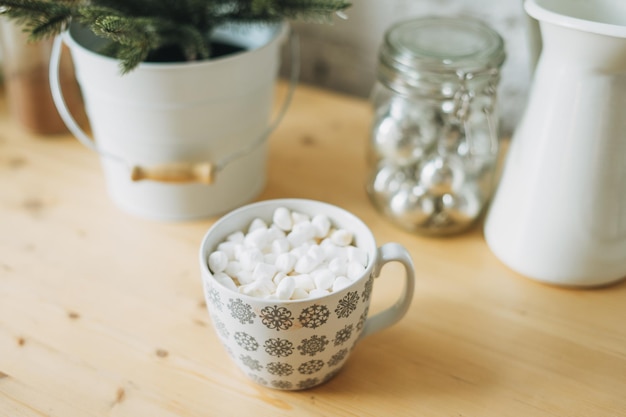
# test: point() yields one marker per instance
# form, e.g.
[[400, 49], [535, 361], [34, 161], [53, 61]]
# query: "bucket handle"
[[180, 172]]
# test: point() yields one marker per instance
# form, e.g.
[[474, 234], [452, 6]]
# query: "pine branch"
[[133, 40], [275, 10], [138, 28], [136, 38], [49, 27], [41, 18]]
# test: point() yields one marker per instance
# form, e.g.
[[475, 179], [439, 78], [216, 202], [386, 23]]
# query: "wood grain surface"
[[102, 313]]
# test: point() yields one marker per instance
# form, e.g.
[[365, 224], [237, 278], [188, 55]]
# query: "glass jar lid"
[[441, 45]]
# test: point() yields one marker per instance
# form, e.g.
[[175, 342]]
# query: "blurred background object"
[[434, 140], [25, 77], [343, 56]]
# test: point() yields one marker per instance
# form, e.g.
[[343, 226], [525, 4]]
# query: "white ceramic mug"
[[298, 344]]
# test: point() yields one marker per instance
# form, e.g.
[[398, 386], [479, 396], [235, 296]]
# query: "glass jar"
[[434, 143]]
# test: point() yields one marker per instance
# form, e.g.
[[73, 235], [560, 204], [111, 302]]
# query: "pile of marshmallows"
[[294, 258]]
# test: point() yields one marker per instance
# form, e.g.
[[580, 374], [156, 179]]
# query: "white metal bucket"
[[180, 113]]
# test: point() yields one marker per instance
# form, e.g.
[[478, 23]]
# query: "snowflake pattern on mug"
[[246, 341], [308, 383], [250, 362], [314, 316], [279, 368], [274, 317], [362, 318], [310, 367], [213, 296], [343, 335], [367, 290], [331, 375], [241, 311], [317, 365], [279, 347], [282, 384], [313, 345], [257, 379], [338, 357], [347, 305], [221, 329]]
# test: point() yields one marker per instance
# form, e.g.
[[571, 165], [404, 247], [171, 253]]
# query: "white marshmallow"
[[332, 251], [316, 253], [225, 280], [341, 237], [262, 278], [270, 258], [304, 282], [357, 255], [355, 270], [236, 237], [323, 279], [341, 283], [238, 249], [233, 268], [285, 289], [300, 251], [279, 277], [263, 272], [274, 233], [285, 262], [218, 261], [249, 258], [305, 264], [258, 238], [254, 289], [281, 245], [299, 217], [338, 266], [282, 219], [321, 224], [299, 294], [318, 293], [228, 248], [305, 227], [244, 277], [301, 233], [327, 247], [257, 224], [268, 284]]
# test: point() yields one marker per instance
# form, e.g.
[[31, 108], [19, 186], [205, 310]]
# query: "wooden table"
[[102, 313]]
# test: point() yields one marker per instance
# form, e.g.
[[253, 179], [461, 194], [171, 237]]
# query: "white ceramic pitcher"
[[559, 214]]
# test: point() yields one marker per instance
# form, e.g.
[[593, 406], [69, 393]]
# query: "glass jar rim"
[[448, 44]]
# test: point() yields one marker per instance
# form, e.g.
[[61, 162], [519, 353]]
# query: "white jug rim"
[[584, 16]]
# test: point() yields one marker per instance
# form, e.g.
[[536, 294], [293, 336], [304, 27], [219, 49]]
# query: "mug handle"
[[391, 252]]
